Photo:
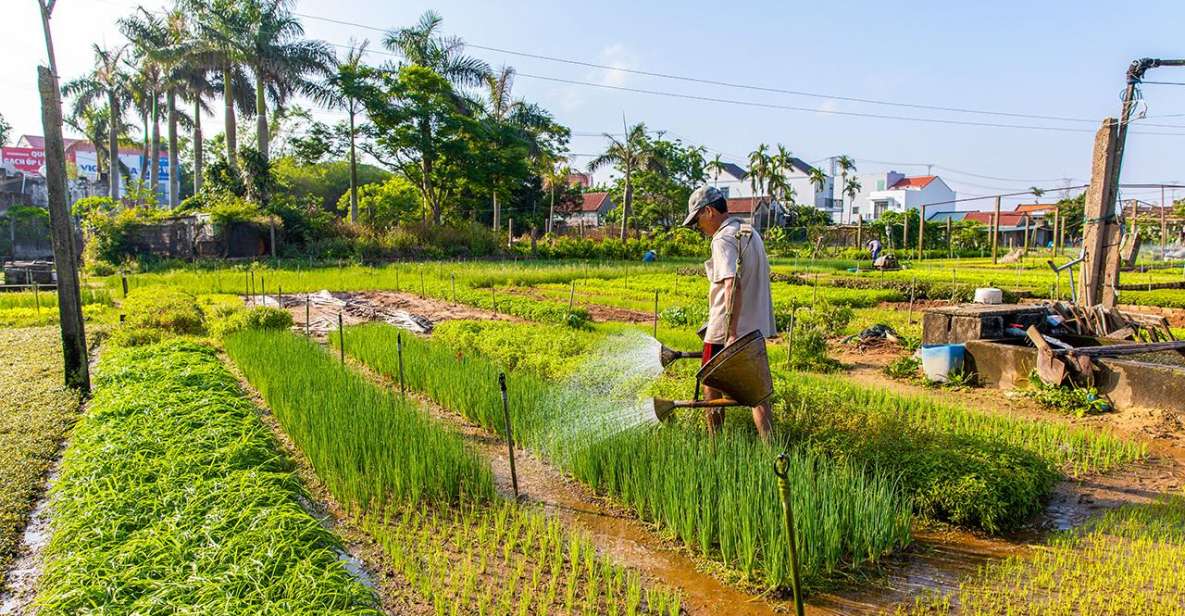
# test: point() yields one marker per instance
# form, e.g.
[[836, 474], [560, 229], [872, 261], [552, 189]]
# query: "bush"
[[164, 308], [260, 317]]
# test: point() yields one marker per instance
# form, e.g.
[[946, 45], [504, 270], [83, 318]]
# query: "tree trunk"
[[74, 350], [551, 210], [627, 204], [261, 133], [174, 166], [145, 144], [228, 101], [113, 146], [354, 174], [154, 172], [198, 154], [497, 211]]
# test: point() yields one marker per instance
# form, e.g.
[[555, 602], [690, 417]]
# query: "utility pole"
[[996, 232], [1163, 224], [922, 232], [74, 352]]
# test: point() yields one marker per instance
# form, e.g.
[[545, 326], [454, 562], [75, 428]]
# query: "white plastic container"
[[989, 295]]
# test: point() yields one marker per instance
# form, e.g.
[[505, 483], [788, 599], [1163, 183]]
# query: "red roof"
[[919, 181], [744, 205], [1035, 208], [591, 202]]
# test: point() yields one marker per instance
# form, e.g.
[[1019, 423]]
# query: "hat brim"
[[691, 217]]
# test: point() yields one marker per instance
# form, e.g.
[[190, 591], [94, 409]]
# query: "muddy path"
[[617, 533], [364, 558]]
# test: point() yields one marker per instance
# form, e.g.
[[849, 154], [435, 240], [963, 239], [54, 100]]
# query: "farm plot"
[[173, 499], [36, 308], [426, 498], [36, 410], [717, 497]]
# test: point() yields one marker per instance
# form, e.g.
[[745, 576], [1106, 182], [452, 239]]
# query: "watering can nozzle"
[[666, 355]]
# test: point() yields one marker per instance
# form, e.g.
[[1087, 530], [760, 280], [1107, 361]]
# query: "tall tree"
[[221, 26], [499, 107], [779, 177], [851, 188], [759, 167], [150, 37], [846, 166], [818, 179], [334, 95], [716, 167], [5, 130], [631, 153], [108, 79]]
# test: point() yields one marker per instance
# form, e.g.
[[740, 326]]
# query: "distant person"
[[874, 247], [739, 299], [649, 257]]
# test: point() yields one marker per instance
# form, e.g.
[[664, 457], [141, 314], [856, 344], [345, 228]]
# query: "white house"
[[895, 192]]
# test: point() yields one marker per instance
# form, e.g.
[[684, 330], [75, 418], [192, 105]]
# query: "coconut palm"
[[501, 108], [219, 27], [555, 176], [759, 167], [151, 38], [852, 188], [93, 123], [817, 178], [630, 154], [333, 95], [778, 180], [423, 44], [716, 167], [108, 79], [846, 166]]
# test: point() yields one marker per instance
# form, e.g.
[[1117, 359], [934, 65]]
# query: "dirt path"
[[617, 533], [596, 312], [323, 318]]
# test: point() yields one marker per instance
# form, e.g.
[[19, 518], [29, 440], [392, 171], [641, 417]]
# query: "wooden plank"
[[1114, 350]]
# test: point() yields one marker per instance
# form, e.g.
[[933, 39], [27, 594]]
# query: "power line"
[[743, 86], [878, 116]]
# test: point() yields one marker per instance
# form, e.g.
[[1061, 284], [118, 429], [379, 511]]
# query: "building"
[[761, 212], [734, 181], [590, 211], [896, 192], [583, 180]]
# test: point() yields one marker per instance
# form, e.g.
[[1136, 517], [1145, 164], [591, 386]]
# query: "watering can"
[[740, 370]]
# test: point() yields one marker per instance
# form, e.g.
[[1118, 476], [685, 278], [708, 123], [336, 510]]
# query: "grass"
[[1131, 560], [717, 497], [370, 447], [37, 309], [36, 410], [173, 499]]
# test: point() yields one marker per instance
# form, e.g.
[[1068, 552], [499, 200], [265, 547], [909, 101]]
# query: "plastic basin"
[[939, 360]]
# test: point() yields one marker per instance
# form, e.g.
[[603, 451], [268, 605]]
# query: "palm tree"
[[716, 166], [151, 38], [633, 153], [555, 176], [846, 166], [759, 168], [852, 188], [107, 79], [818, 179], [220, 25], [778, 179], [93, 123], [422, 44], [332, 95]]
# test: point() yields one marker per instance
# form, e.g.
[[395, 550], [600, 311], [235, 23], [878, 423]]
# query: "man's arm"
[[733, 290]]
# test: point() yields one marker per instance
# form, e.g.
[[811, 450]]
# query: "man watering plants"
[[739, 299]]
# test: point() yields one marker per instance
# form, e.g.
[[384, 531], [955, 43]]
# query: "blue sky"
[[1063, 59]]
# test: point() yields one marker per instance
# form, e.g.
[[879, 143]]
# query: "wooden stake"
[[307, 301], [399, 351], [656, 313], [341, 336], [996, 233], [509, 432]]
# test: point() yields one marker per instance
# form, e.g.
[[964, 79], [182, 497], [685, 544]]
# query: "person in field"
[[874, 248], [739, 299]]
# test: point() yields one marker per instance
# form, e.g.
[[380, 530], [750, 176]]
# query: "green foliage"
[[35, 413], [226, 209], [371, 448], [905, 368], [384, 205], [322, 184], [259, 317], [168, 309], [548, 352], [716, 496], [813, 326], [1078, 401], [174, 499], [87, 206]]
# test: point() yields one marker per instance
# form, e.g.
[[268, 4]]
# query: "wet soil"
[[364, 558], [20, 583], [616, 533], [323, 318]]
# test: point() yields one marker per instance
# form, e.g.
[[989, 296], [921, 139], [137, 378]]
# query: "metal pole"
[[509, 432], [399, 351], [307, 301], [422, 293], [453, 276], [123, 279], [996, 232], [781, 468], [341, 337]]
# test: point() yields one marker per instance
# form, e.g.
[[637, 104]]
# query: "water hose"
[[781, 468]]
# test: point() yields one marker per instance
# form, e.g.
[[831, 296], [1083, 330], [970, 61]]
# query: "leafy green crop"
[[370, 447], [174, 499]]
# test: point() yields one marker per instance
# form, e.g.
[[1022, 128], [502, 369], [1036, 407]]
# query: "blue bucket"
[[939, 360]]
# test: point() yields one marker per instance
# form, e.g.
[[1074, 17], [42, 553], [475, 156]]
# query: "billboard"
[[25, 160]]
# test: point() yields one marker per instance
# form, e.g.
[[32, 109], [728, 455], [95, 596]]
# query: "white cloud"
[[617, 56]]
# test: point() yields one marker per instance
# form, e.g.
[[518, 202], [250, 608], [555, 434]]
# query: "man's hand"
[[731, 339]]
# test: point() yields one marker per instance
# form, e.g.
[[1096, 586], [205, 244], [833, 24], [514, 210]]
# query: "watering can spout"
[[666, 355], [663, 409]]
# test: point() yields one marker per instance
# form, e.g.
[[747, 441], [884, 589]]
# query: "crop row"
[[35, 412], [420, 492], [174, 499], [716, 496]]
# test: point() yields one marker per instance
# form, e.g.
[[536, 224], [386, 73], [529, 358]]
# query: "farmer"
[[874, 247], [737, 304]]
